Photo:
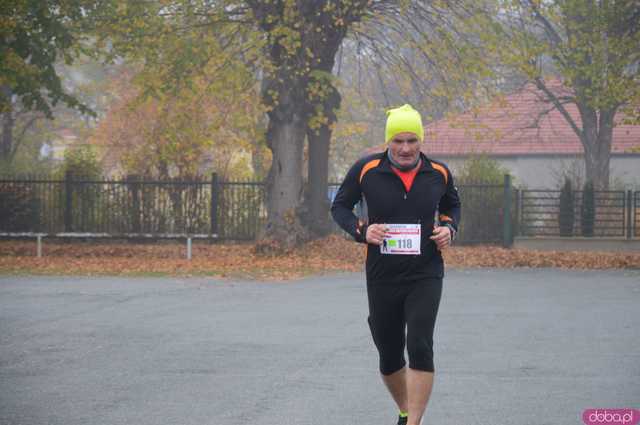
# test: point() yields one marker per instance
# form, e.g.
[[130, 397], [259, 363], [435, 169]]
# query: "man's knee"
[[389, 366], [425, 365], [421, 356], [390, 342]]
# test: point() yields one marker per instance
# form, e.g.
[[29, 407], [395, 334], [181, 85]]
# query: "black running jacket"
[[387, 201]]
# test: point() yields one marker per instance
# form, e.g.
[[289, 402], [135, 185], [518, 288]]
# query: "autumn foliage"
[[209, 126]]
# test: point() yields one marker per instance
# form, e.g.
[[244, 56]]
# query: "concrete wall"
[[546, 171]]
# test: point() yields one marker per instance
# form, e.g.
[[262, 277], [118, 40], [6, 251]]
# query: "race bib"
[[402, 239]]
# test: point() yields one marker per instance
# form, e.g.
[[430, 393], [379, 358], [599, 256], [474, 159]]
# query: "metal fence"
[[204, 207], [615, 214], [133, 207]]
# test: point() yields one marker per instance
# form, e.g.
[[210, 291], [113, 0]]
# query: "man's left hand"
[[441, 236]]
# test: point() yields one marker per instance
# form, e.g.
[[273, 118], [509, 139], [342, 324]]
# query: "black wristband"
[[361, 232]]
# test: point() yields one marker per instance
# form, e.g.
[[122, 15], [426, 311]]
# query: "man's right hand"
[[376, 233]]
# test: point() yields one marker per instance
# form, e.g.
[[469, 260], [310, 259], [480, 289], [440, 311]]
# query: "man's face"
[[405, 148]]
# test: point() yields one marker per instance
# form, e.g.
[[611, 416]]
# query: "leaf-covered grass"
[[332, 254]]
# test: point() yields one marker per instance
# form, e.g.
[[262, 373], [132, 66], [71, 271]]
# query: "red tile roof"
[[508, 127]]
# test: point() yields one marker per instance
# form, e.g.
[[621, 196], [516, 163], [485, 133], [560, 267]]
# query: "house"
[[61, 141], [530, 139]]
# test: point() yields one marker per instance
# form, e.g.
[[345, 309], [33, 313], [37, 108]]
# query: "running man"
[[403, 190]]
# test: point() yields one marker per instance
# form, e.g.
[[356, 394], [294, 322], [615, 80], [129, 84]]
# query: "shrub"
[[82, 165], [566, 213], [19, 208], [481, 169], [588, 209], [480, 180], [81, 162]]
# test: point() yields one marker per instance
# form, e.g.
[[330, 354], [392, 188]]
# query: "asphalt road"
[[512, 347]]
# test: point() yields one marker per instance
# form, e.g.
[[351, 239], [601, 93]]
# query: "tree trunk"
[[284, 185], [317, 202], [6, 142], [317, 205], [317, 31], [596, 139], [257, 161]]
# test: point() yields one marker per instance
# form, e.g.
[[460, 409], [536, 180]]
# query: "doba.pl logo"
[[611, 416]]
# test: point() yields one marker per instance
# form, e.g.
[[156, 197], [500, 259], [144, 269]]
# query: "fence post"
[[135, 195], [516, 213], [507, 230], [213, 228], [68, 188], [629, 214]]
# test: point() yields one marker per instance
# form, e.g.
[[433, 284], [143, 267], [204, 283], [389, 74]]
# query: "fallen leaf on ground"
[[237, 260]]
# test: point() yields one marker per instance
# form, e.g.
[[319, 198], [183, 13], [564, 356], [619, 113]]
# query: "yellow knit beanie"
[[401, 120]]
